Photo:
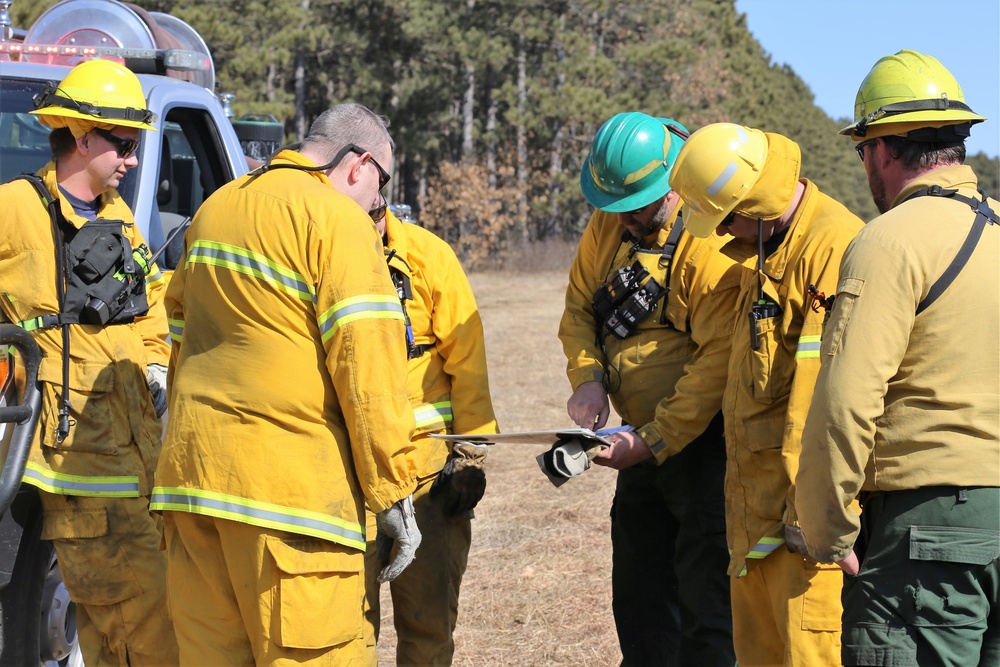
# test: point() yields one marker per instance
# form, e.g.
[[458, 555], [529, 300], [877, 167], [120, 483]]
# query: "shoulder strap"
[[984, 215], [55, 319]]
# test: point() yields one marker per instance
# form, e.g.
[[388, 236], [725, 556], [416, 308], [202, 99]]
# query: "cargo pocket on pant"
[[319, 593], [821, 609], [92, 561], [954, 597]]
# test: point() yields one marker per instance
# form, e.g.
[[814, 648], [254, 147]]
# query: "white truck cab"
[[194, 152]]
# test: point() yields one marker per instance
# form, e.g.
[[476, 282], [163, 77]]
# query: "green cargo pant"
[[927, 591]]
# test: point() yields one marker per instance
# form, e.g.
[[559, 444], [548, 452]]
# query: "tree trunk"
[[522, 141], [491, 126], [555, 154]]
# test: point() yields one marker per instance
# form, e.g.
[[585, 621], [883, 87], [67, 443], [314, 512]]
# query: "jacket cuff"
[[579, 376], [657, 445]]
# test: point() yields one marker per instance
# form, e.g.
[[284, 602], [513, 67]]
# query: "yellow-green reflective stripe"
[[808, 347], [250, 263], [126, 486], [429, 414], [765, 547], [176, 330], [265, 515], [154, 279], [365, 306]]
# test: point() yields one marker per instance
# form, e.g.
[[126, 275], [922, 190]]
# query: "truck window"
[[24, 142], [192, 166]]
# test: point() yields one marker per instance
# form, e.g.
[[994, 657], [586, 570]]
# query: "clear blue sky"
[[832, 44]]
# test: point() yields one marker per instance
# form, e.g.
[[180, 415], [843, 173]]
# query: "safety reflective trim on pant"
[[255, 513], [176, 330], [250, 263], [365, 306], [125, 486], [808, 347], [433, 414]]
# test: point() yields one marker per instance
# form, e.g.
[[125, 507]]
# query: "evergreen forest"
[[493, 103]]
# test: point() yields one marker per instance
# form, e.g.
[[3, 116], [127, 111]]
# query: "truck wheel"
[[39, 619]]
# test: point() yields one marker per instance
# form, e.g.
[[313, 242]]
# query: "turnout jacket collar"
[[776, 264], [109, 200], [956, 176]]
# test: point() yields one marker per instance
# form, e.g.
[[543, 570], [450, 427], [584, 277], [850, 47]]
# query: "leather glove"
[[156, 378], [462, 482], [568, 458], [795, 541], [398, 523]]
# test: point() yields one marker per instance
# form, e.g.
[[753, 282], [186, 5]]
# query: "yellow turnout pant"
[[244, 595], [111, 562], [786, 612]]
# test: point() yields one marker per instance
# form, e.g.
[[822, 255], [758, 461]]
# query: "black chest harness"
[[101, 280], [630, 294]]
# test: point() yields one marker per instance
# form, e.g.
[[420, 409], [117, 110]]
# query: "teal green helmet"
[[630, 161]]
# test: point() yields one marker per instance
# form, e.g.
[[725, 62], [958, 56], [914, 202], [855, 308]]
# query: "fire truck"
[[196, 150]]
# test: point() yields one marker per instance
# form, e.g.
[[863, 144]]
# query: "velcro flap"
[[298, 558], [74, 524], [954, 544]]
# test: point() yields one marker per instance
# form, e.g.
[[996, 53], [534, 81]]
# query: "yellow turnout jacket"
[[287, 396], [112, 447], [769, 389], [448, 385]]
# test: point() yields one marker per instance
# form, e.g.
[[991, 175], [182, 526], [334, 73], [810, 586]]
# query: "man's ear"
[[354, 175], [83, 143]]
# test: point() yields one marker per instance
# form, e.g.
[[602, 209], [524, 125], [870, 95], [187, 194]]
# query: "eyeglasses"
[[378, 212], [728, 220], [124, 147], [860, 148], [383, 175]]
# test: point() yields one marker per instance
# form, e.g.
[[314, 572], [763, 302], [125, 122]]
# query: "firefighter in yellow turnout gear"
[[288, 407], [741, 181], [94, 478], [448, 388]]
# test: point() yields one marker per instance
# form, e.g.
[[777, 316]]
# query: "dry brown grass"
[[538, 588]]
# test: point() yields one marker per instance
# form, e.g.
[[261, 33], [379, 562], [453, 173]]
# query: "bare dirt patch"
[[538, 587]]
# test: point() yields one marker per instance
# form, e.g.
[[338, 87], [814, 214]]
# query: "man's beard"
[[655, 223], [877, 186]]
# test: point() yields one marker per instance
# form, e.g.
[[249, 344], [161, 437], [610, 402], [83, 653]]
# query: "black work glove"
[[462, 482], [795, 541]]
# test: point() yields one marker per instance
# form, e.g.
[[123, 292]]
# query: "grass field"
[[538, 588]]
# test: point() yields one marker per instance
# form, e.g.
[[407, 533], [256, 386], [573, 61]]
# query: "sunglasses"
[[383, 175], [124, 147], [378, 212], [860, 148], [728, 220]]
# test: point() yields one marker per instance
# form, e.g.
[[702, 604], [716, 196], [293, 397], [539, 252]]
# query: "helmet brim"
[[931, 117], [69, 113], [614, 203], [701, 225]]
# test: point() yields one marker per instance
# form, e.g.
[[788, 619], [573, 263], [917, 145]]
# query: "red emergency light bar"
[[142, 61]]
